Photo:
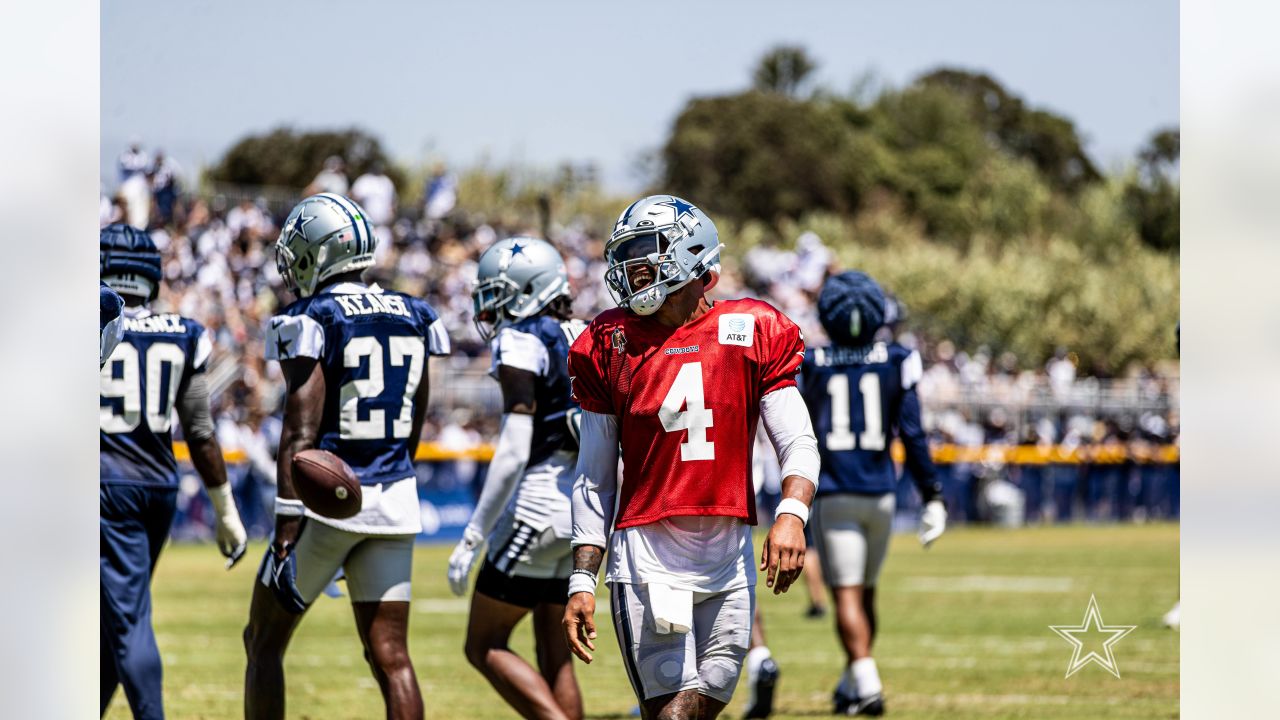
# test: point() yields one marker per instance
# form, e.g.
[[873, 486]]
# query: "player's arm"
[[515, 443], [933, 519], [206, 456], [786, 421], [303, 409], [594, 488]]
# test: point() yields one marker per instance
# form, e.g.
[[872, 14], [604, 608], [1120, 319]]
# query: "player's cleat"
[[841, 701], [1173, 618], [869, 706], [816, 612], [766, 682]]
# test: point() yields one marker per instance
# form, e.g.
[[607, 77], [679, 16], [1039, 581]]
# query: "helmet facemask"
[[489, 300], [133, 285], [647, 266]]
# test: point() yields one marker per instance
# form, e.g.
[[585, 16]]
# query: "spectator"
[[333, 178], [441, 194], [377, 195], [133, 161], [164, 186], [135, 197]]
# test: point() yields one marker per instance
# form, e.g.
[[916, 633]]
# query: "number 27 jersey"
[[372, 345], [687, 401]]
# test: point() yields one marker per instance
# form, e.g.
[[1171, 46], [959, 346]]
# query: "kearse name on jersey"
[[369, 303]]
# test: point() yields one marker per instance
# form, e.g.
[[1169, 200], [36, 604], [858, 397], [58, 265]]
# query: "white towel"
[[672, 608]]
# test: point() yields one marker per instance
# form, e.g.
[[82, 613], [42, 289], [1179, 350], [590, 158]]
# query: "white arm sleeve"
[[505, 470], [786, 420], [596, 481]]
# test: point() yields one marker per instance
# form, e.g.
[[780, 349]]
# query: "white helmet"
[[325, 235], [516, 278], [671, 236]]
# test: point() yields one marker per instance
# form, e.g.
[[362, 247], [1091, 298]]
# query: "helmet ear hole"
[[304, 262]]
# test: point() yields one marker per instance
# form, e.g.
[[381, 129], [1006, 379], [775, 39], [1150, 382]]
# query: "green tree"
[[784, 70], [1152, 195], [289, 158], [763, 155], [1046, 139]]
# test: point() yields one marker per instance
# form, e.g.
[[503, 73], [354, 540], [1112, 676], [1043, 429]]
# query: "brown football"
[[325, 484]]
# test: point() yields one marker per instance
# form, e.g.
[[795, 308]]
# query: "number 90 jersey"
[[687, 401], [140, 382], [372, 345]]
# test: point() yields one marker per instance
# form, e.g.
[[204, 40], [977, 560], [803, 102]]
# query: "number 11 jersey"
[[372, 345]]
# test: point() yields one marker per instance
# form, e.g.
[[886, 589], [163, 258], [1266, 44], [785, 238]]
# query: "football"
[[325, 484]]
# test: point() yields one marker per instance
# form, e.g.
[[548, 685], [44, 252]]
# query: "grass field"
[[964, 634]]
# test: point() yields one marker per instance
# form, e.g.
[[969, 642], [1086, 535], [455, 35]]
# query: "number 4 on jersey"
[[687, 391]]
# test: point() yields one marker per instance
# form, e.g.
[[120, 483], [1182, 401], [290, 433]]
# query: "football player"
[[861, 393], [676, 384], [157, 368], [522, 306], [110, 326], [354, 359]]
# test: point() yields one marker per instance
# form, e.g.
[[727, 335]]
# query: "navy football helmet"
[[129, 261], [851, 308]]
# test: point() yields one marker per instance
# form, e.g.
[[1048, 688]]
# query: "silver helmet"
[[325, 235], [516, 278], [659, 244]]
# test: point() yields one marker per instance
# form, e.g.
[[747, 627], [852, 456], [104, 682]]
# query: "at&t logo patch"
[[737, 329]]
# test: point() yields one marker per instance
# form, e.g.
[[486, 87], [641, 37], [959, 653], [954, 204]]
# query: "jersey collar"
[[352, 288]]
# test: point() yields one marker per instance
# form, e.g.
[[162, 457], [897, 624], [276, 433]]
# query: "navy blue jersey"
[[372, 345], [140, 381], [540, 345], [858, 400]]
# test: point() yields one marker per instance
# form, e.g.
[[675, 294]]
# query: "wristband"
[[290, 507], [582, 580], [792, 506]]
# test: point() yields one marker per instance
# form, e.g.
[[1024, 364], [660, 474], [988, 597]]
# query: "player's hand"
[[229, 531], [463, 559], [233, 541], [287, 529], [933, 522], [783, 553], [580, 625]]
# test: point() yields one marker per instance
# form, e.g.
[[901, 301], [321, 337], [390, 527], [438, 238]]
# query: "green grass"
[[963, 634]]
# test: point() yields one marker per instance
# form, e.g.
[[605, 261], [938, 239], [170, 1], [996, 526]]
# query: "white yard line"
[[987, 583]]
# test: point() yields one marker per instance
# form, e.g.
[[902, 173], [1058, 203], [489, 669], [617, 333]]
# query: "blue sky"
[[544, 82]]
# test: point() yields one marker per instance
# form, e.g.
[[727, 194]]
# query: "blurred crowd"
[[219, 268]]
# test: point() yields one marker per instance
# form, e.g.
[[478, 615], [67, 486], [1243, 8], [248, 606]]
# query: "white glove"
[[933, 522], [464, 558], [232, 539]]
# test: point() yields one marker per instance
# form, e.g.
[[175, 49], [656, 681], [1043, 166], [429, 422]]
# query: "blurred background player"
[[860, 393], [110, 325], [522, 306], [355, 362], [653, 377], [157, 367]]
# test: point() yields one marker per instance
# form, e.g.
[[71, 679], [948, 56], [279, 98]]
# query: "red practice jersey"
[[687, 401]]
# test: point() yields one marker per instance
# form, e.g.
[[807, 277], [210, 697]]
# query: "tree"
[[1152, 195], [764, 156], [288, 158], [1048, 140], [784, 70]]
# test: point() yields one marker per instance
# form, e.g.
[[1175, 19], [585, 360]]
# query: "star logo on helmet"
[[517, 249], [680, 206], [299, 225]]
